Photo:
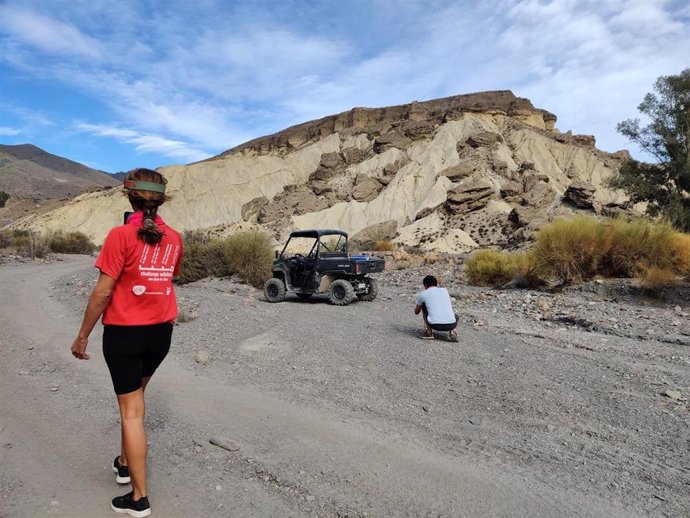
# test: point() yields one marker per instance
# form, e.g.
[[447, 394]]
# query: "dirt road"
[[308, 443]]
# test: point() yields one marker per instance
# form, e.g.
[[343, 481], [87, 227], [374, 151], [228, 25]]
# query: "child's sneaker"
[[127, 505], [122, 472]]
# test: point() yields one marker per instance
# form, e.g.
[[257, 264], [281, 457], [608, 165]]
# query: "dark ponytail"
[[147, 202], [149, 232]]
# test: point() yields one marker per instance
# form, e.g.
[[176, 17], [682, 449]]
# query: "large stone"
[[615, 210], [469, 197], [511, 189], [380, 232], [484, 139], [419, 129], [355, 155], [458, 172], [250, 210], [330, 160], [320, 187], [539, 196], [330, 165], [531, 178], [366, 188], [391, 140], [580, 194], [294, 200], [521, 216]]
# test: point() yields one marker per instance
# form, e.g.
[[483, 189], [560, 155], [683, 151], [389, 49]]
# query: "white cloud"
[[8, 132], [46, 34], [188, 81], [29, 116], [145, 143]]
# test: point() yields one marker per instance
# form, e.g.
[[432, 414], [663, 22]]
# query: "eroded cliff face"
[[448, 175]]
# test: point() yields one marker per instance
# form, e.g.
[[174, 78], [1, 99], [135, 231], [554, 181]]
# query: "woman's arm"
[[94, 309]]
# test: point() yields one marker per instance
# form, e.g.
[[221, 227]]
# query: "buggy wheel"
[[274, 290], [342, 293], [304, 296], [372, 290]]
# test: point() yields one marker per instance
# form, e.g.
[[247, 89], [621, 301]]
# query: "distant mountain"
[[451, 175], [120, 175], [27, 171]]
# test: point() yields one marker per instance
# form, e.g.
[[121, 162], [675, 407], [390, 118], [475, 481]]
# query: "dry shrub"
[[578, 249], [571, 250], [654, 279], [491, 268], [5, 239], [203, 257], [430, 258], [681, 254], [71, 243], [34, 245], [402, 265], [383, 245], [634, 246], [250, 255]]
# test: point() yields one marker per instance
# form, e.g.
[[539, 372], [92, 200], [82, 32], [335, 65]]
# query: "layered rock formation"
[[450, 175]]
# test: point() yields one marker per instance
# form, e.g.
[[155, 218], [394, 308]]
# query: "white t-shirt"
[[438, 305]]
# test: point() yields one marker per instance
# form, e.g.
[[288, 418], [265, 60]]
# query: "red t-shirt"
[[144, 293]]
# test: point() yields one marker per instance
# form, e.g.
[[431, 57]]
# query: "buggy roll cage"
[[317, 235]]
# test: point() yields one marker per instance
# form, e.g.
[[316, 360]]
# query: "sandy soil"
[[571, 404]]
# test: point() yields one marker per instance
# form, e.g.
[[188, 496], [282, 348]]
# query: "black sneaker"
[[126, 505], [122, 476]]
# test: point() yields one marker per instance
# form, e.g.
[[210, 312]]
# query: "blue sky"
[[118, 85]]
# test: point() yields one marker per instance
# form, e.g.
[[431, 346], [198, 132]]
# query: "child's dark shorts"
[[134, 352]]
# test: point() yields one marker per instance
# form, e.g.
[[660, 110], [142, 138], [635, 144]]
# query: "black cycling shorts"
[[134, 352]]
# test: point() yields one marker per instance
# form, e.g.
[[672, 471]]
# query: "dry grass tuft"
[[681, 254], [248, 254], [655, 279], [570, 250], [71, 243], [491, 268]]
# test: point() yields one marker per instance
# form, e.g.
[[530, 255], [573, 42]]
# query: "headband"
[[144, 186]]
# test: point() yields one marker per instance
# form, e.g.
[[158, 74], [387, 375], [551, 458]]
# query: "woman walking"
[[136, 298]]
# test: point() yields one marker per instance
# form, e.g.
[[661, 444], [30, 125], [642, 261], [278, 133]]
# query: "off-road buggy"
[[317, 261]]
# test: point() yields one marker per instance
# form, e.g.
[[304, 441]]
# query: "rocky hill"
[[27, 171], [37, 180], [448, 174]]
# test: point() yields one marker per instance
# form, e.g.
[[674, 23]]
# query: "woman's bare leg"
[[134, 438], [123, 455]]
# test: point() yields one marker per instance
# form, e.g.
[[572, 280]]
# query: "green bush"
[[71, 243]]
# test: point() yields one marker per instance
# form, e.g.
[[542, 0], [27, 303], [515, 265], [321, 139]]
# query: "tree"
[[665, 185], [3, 198]]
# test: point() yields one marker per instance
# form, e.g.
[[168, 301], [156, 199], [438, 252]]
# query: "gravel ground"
[[585, 391]]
